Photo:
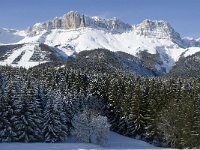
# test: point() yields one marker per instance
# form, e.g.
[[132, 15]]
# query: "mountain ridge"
[[154, 42], [74, 20]]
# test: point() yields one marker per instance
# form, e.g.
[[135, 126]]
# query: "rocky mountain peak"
[[157, 29], [74, 19], [71, 20]]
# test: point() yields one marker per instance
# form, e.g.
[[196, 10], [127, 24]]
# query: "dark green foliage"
[[54, 126], [151, 60], [105, 61], [163, 111], [50, 54]]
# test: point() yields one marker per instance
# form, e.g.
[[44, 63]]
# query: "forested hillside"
[[39, 105]]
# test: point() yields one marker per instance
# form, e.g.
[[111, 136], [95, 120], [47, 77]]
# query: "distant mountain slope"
[[10, 36]]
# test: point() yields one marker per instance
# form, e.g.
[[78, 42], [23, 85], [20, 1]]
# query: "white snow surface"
[[192, 50], [76, 40], [28, 50], [115, 142], [88, 38]]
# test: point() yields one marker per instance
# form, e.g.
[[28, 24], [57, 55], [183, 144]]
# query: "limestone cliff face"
[[73, 20], [57, 23], [157, 29], [83, 24], [49, 25], [118, 25]]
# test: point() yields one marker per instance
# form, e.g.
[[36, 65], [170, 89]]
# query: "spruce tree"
[[28, 115], [54, 129], [7, 133]]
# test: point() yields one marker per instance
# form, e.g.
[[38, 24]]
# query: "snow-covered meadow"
[[115, 141]]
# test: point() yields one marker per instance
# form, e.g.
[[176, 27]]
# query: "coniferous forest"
[[44, 104]]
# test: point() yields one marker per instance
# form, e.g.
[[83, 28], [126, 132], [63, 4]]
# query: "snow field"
[[115, 142]]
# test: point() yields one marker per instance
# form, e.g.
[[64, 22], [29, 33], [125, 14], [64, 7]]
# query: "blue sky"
[[183, 15]]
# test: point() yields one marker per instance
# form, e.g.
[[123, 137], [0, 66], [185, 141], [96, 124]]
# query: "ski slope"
[[25, 53], [115, 141]]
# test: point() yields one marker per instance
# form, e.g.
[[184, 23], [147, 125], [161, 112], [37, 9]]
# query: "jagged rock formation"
[[158, 29], [57, 23], [73, 20], [83, 24]]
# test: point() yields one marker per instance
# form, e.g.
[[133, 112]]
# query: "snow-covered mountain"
[[154, 42]]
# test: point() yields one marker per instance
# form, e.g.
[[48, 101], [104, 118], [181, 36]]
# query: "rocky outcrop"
[[113, 25], [118, 25], [83, 24], [49, 25], [57, 23], [158, 29], [73, 20]]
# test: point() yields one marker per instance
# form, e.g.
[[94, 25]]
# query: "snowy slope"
[[24, 54], [191, 51], [72, 34], [115, 141], [88, 38], [76, 40]]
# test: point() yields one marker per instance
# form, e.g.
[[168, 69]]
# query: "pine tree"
[[114, 113], [28, 116], [7, 133], [54, 129]]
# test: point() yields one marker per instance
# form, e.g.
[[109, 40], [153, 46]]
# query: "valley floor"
[[115, 142]]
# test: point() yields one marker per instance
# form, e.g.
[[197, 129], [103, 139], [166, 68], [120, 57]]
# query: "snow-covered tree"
[[27, 118], [54, 129], [7, 131], [101, 130], [89, 127]]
